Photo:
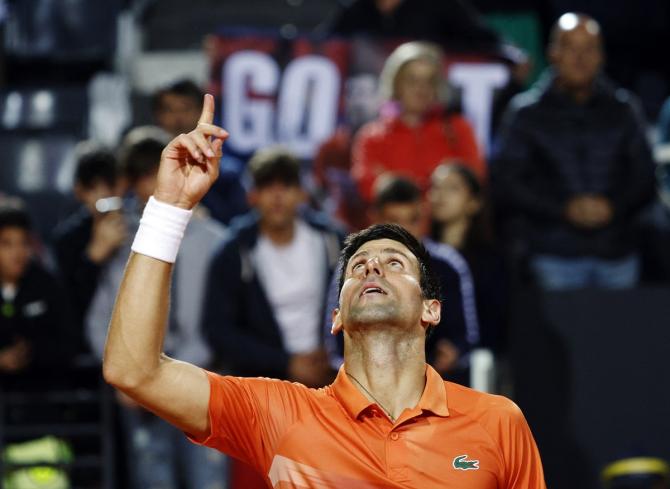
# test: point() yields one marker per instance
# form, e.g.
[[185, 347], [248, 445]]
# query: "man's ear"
[[431, 312], [337, 322]]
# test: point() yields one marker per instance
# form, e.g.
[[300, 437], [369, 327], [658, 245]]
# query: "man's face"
[[277, 203], [15, 253], [177, 114], [408, 215], [416, 86], [382, 287], [91, 194], [577, 55]]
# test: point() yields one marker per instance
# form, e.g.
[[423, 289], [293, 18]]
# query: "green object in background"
[[7, 309], [47, 450], [522, 29]]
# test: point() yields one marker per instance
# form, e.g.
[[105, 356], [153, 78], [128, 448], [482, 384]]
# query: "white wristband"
[[161, 230]]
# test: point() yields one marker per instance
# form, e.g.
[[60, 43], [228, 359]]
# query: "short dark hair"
[[391, 189], [182, 88], [94, 163], [430, 285], [269, 165], [14, 215], [140, 151]]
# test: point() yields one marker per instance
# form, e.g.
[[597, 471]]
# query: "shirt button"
[[394, 436]]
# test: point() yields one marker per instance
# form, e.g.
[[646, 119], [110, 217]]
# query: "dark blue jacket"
[[552, 148], [238, 319]]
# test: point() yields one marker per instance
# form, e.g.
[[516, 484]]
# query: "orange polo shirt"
[[335, 438]]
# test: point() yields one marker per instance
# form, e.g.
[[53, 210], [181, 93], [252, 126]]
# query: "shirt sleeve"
[[248, 416], [523, 466]]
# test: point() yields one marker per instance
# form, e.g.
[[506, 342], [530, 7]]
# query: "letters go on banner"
[[296, 92]]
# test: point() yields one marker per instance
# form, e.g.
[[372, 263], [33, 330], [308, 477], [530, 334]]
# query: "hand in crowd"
[[446, 356], [190, 162], [15, 357], [589, 211], [109, 233], [311, 369]]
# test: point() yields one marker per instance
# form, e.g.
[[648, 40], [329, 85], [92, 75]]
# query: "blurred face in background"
[[15, 253], [450, 197], [89, 195], [576, 51], [416, 86], [277, 203], [409, 215], [177, 114]]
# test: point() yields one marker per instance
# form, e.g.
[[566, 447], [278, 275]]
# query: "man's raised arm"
[[133, 360]]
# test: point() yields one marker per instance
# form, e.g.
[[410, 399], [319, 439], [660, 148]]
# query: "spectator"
[[156, 449], [34, 314], [398, 201], [422, 134], [575, 167], [267, 285], [176, 109], [88, 238], [460, 219]]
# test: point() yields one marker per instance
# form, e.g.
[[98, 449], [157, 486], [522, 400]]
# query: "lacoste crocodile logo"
[[460, 463]]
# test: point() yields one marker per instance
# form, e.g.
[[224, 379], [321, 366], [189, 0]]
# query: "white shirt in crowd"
[[294, 277]]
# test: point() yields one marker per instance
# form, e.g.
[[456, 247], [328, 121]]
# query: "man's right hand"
[[190, 162]]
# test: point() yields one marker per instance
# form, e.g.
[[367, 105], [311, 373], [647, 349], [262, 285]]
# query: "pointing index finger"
[[207, 115]]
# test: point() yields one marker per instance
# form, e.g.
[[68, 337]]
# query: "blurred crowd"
[[566, 199]]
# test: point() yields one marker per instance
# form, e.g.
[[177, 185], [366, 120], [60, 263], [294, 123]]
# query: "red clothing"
[[388, 144]]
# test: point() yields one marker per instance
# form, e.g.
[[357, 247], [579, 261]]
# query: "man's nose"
[[373, 265]]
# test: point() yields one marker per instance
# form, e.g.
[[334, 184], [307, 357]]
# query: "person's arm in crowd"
[[469, 148], [231, 341], [177, 391], [512, 171], [664, 123], [96, 319]]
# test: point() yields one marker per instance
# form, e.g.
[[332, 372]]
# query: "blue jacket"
[[238, 318]]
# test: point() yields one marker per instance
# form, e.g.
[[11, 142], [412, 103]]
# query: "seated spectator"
[[422, 134], [157, 450], [34, 314], [267, 286], [574, 166], [88, 238], [176, 109], [398, 201], [460, 219]]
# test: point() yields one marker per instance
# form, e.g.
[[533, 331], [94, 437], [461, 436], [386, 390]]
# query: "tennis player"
[[388, 420]]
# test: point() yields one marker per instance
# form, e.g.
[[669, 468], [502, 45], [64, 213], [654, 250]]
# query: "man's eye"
[[357, 266], [395, 263]]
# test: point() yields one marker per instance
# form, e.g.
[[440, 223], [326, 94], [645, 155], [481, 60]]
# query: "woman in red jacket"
[[421, 134]]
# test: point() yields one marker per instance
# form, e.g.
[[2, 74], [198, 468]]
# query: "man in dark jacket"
[[88, 238], [574, 165], [267, 284]]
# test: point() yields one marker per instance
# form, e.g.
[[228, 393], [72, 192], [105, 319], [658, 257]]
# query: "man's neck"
[[411, 119], [580, 94], [387, 369], [279, 235]]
